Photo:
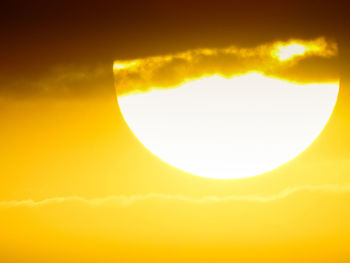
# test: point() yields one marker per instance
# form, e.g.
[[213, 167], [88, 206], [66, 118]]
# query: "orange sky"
[[77, 186]]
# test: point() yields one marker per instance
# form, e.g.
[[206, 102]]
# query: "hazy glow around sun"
[[230, 128]]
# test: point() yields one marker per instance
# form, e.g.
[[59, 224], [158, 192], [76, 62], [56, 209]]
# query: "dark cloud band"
[[295, 60]]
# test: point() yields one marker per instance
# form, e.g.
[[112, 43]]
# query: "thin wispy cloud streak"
[[124, 200]]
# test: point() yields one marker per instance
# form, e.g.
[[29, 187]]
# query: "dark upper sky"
[[44, 38]]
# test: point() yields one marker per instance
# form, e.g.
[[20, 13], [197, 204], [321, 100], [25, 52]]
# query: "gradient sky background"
[[77, 186]]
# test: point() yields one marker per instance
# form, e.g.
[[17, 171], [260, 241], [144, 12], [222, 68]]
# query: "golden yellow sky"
[[77, 185]]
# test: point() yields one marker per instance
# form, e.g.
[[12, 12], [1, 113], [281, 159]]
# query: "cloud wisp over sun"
[[293, 59]]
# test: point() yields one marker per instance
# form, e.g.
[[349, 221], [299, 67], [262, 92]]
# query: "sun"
[[232, 127]]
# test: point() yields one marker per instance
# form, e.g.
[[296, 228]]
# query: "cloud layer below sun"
[[295, 60], [285, 227]]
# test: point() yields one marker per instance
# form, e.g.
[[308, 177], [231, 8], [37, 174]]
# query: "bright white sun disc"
[[230, 128]]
